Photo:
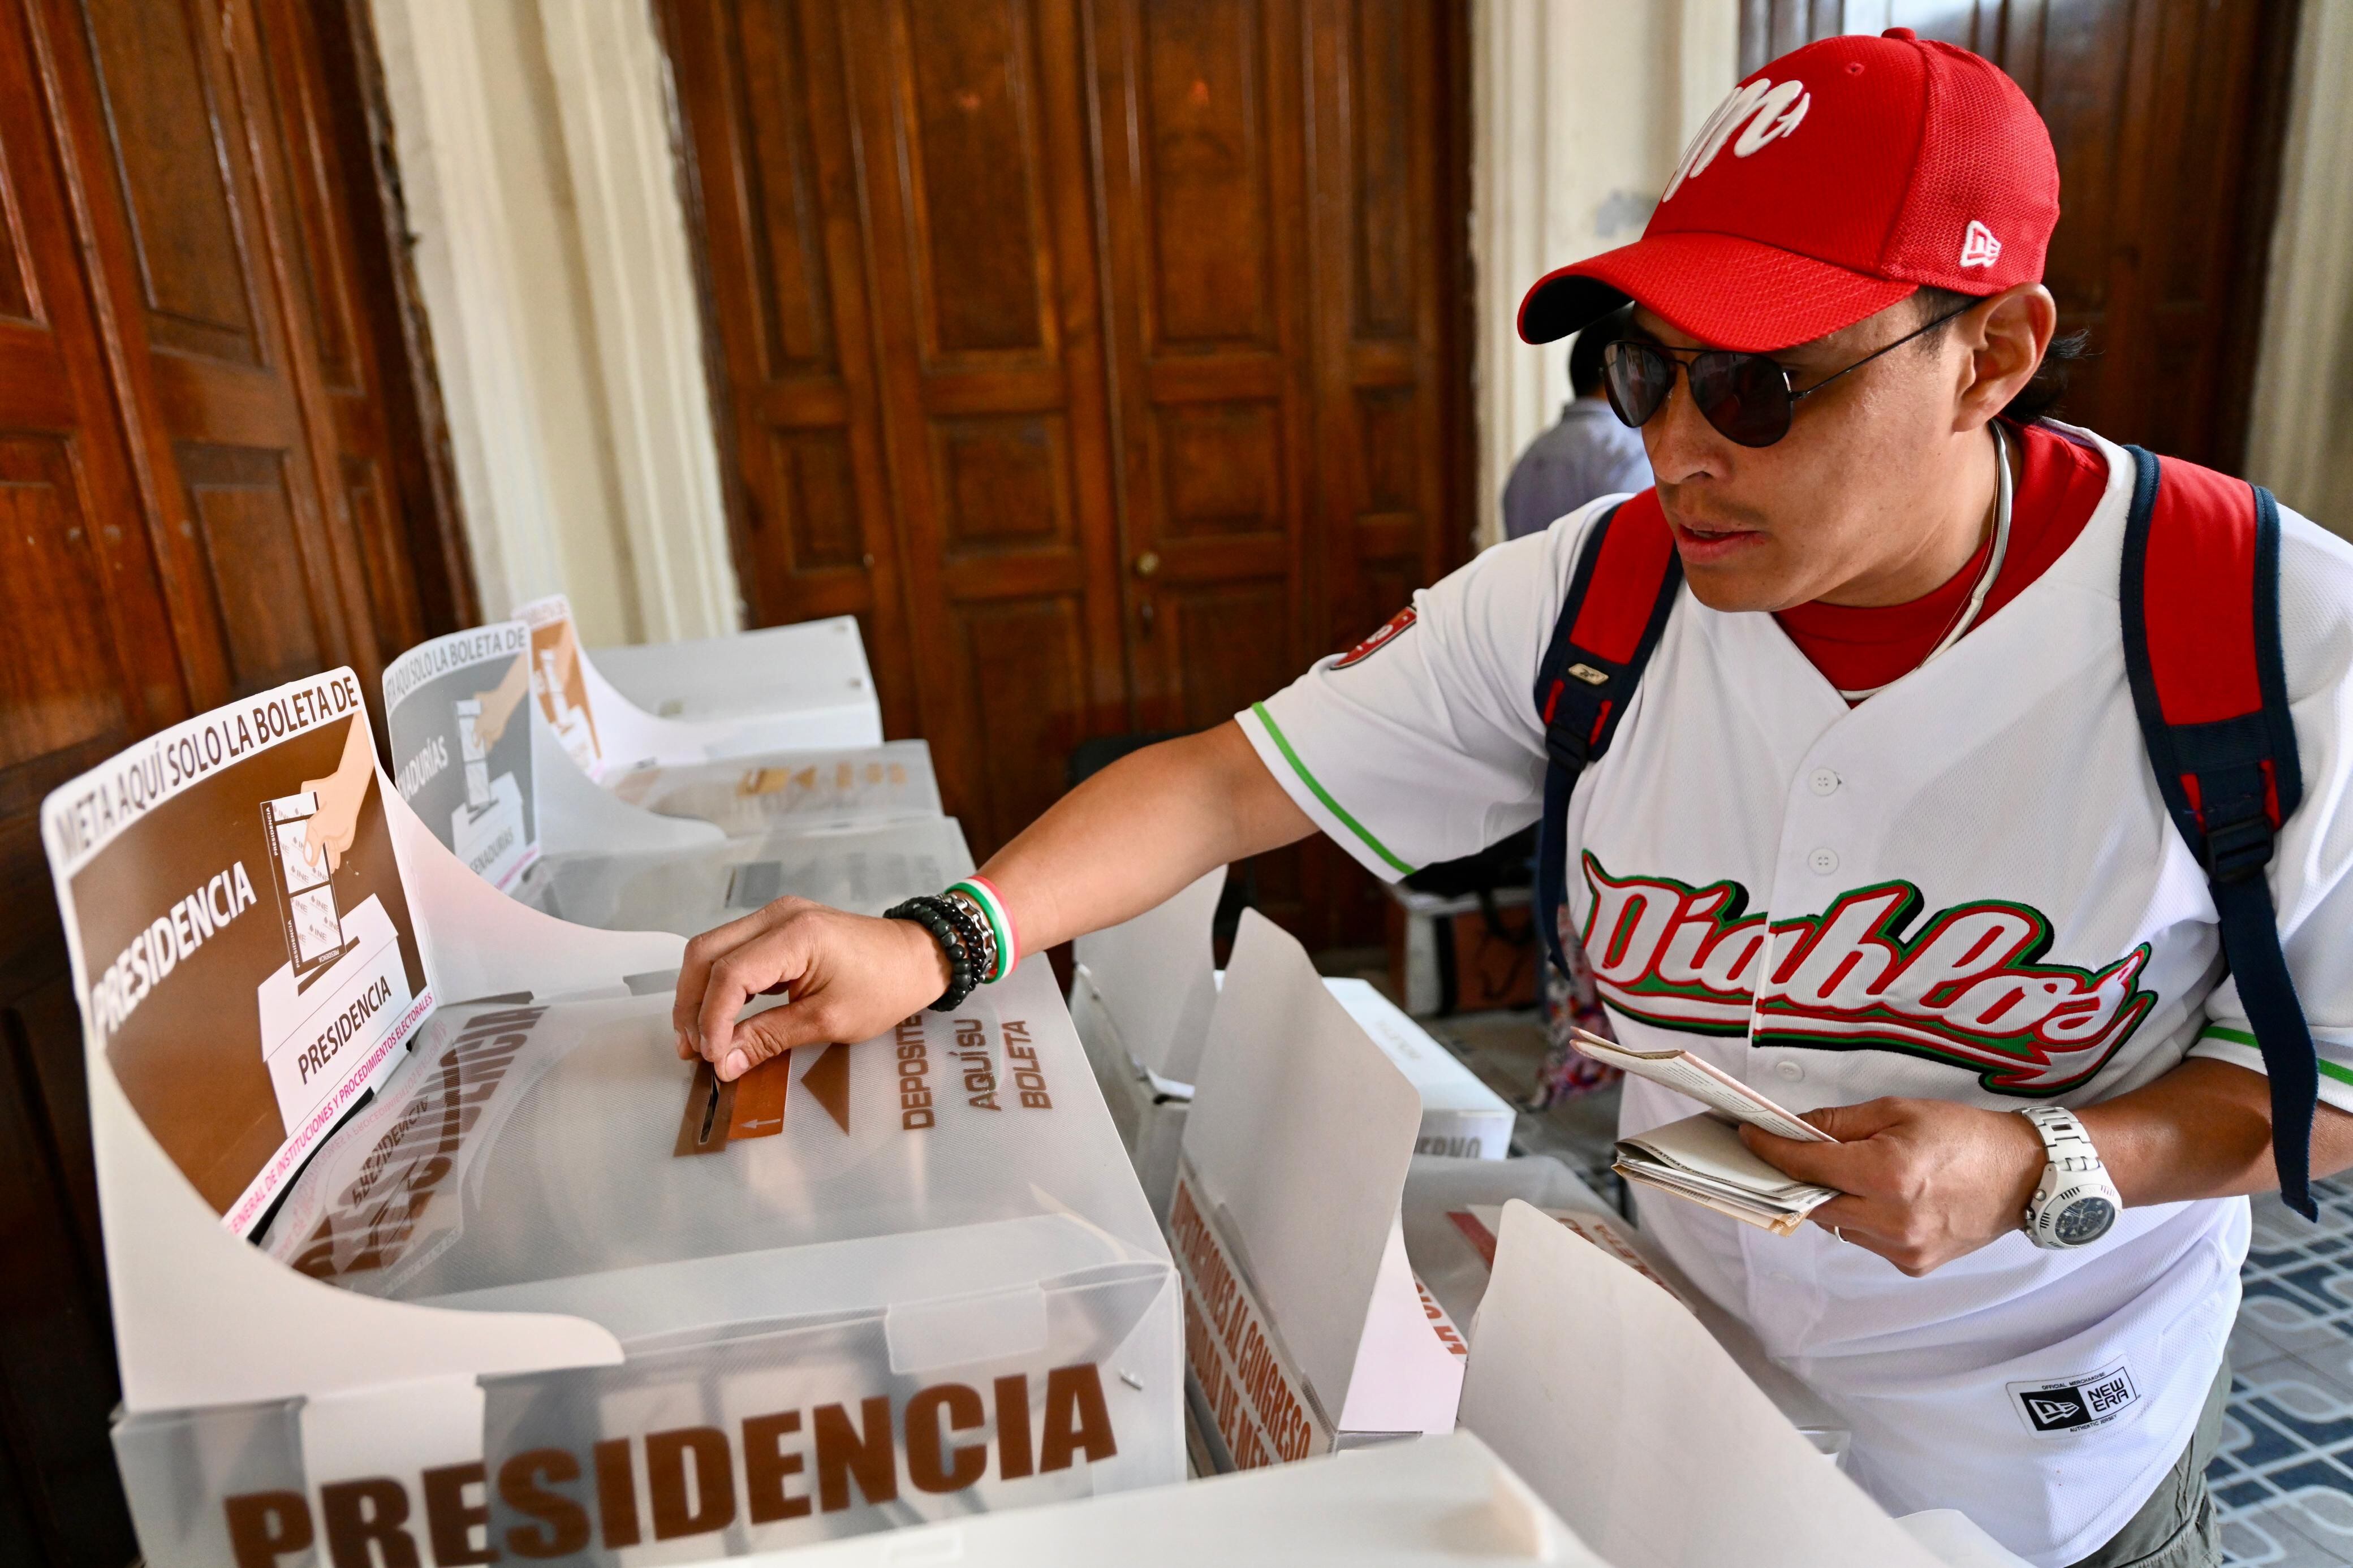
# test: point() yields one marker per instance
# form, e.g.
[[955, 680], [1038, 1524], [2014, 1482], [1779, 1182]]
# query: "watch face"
[[2086, 1219]]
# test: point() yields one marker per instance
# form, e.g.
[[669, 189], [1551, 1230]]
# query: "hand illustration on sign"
[[331, 828], [500, 703]]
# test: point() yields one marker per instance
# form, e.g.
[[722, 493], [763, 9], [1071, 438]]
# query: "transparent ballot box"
[[792, 792], [864, 1287], [688, 891], [426, 1248]]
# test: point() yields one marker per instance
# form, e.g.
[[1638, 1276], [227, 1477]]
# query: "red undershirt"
[[1859, 648]]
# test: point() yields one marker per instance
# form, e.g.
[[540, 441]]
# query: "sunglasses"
[[1747, 396]]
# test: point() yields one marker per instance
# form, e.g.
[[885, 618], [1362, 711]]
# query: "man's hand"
[[1926, 1181], [849, 977]]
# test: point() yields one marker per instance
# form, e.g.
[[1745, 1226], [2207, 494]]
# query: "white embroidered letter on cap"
[[1979, 246]]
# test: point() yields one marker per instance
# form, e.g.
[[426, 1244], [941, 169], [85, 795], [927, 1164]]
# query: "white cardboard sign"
[[1300, 1137], [1156, 978], [1627, 1417], [458, 712]]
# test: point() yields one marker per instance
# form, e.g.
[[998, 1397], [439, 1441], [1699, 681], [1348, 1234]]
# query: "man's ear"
[[2006, 335]]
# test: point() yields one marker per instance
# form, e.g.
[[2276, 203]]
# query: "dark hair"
[[2040, 395], [1585, 358]]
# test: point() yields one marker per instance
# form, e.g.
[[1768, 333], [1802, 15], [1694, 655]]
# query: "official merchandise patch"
[[1391, 629], [2075, 1403]]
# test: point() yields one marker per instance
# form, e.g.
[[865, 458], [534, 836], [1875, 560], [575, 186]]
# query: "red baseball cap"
[[1831, 183]]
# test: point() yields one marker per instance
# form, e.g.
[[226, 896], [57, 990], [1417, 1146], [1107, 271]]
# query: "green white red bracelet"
[[983, 895]]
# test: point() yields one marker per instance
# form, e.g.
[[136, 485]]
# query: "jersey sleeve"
[[2312, 866], [1422, 744]]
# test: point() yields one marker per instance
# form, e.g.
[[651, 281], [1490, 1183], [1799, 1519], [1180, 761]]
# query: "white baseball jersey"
[[1965, 888]]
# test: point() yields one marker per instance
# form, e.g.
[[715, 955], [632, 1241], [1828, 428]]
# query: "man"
[[1591, 452], [1890, 709]]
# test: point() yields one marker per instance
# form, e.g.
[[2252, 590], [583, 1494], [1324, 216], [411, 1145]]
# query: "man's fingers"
[[740, 974], [704, 950], [1821, 1162], [766, 1035], [1848, 1123]]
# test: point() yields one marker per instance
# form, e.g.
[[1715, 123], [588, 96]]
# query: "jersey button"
[[1821, 781], [1823, 862], [1787, 1071]]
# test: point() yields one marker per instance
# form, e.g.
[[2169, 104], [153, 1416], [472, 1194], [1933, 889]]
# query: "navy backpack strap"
[[2202, 636], [1627, 578]]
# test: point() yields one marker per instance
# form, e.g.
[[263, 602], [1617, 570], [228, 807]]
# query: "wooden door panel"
[[2166, 117], [984, 273], [1206, 169], [771, 170], [61, 692], [968, 118], [243, 512], [164, 140], [15, 291]]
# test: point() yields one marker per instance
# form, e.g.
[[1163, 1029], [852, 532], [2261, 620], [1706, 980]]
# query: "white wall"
[[1579, 109], [2300, 438], [534, 140]]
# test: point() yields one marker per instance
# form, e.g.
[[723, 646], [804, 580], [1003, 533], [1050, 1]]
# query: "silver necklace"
[[1985, 578]]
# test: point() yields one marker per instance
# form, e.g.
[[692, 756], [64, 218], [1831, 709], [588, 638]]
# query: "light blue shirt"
[[1590, 453]]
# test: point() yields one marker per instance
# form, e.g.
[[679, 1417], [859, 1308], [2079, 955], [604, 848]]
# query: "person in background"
[[1590, 453]]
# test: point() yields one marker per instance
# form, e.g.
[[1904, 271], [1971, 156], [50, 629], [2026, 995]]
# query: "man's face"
[[1837, 508]]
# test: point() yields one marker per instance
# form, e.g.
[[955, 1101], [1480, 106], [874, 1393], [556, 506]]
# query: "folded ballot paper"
[[1702, 1157]]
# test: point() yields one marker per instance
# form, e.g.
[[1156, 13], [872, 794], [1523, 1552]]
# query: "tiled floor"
[[2283, 1478]]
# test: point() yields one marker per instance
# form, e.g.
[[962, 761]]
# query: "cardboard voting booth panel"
[[1307, 1330], [1452, 1211], [792, 792], [523, 1276], [603, 730], [1629, 1419], [863, 871], [811, 675], [1421, 1505], [458, 711], [1140, 995]]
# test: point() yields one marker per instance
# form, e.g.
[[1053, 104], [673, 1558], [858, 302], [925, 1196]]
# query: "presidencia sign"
[[246, 957], [457, 710]]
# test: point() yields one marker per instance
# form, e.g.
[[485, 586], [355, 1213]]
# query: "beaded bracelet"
[[962, 973], [983, 895], [978, 942]]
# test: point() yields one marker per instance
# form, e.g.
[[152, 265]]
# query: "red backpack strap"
[[1627, 575], [2201, 642]]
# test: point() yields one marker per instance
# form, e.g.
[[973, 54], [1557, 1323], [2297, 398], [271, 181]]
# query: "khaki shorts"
[[2175, 1529]]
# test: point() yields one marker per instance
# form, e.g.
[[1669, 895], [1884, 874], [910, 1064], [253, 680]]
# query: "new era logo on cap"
[[1979, 246]]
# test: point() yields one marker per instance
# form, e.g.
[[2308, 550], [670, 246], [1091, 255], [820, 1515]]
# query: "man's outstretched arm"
[[1116, 845]]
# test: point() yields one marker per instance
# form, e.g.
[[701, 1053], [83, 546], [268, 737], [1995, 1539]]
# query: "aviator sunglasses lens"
[[1637, 377], [1745, 395]]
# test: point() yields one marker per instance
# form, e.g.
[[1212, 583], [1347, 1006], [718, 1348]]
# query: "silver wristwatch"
[[2074, 1204]]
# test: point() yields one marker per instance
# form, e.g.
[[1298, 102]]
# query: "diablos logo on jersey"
[[1966, 987]]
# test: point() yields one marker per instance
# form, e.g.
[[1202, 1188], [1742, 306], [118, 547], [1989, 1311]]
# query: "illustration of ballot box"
[[863, 871], [306, 894], [1141, 994], [808, 684], [520, 1281]]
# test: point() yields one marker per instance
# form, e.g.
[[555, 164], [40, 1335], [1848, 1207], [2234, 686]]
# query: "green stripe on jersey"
[[2241, 1037], [1282, 745]]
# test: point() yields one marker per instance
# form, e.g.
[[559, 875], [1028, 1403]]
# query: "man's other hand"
[[1925, 1181]]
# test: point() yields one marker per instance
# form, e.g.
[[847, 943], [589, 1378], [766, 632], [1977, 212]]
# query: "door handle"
[[1147, 564]]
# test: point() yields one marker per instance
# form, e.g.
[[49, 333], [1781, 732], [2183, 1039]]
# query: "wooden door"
[[2167, 117], [1109, 350], [215, 474]]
